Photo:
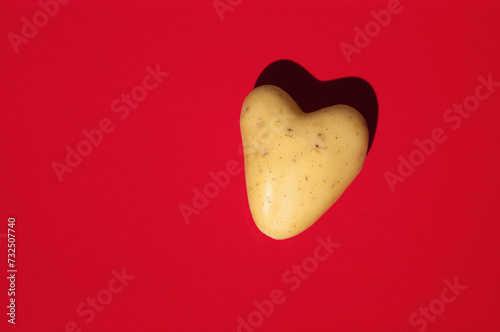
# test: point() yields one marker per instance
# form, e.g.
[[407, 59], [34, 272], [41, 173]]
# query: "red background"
[[120, 207]]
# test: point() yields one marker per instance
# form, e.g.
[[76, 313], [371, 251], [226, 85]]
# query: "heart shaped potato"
[[297, 164]]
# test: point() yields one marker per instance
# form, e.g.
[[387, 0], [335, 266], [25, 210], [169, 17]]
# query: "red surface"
[[119, 209]]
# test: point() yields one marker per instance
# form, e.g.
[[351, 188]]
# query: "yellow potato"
[[297, 164]]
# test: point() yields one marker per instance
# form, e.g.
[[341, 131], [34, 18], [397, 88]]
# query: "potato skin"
[[297, 164]]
